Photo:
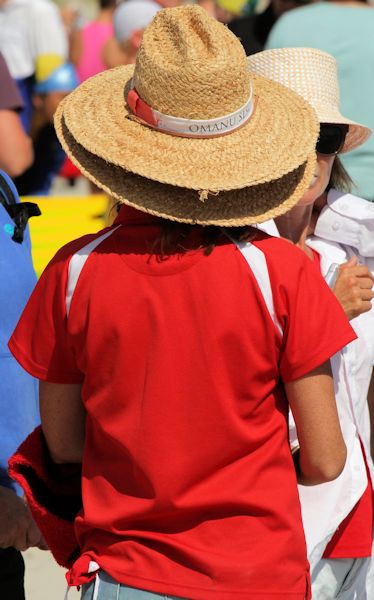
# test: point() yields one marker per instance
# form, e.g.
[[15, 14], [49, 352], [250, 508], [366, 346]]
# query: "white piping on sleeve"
[[77, 262], [256, 261]]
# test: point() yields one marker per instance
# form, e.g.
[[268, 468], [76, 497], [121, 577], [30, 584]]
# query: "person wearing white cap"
[[129, 21]]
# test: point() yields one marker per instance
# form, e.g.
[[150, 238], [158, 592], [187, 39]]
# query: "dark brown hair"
[[107, 4], [173, 236], [339, 178]]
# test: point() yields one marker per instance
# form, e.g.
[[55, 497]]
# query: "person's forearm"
[[63, 421], [322, 452], [16, 153]]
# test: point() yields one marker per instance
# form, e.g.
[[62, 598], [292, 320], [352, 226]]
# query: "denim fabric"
[[106, 588], [340, 578]]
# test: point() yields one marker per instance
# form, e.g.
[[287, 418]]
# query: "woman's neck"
[[294, 226]]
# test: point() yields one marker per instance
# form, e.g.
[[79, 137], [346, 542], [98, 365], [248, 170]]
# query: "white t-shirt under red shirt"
[[188, 483]]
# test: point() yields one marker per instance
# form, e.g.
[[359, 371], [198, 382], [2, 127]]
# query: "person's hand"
[[17, 527], [354, 288], [34, 536]]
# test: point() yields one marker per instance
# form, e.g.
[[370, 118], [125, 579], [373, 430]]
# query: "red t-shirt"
[[188, 482]]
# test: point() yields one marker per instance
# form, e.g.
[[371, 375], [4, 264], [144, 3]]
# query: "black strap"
[[19, 212]]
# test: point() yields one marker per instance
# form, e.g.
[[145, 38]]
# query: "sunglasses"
[[331, 138]]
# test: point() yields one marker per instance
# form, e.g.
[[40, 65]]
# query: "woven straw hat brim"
[[230, 208], [357, 134], [279, 137]]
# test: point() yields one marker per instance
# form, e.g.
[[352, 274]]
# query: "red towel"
[[53, 493]]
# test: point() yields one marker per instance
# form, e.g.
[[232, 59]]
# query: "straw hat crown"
[[313, 74], [185, 61]]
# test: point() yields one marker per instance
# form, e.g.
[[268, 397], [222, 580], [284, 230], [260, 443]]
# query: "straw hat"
[[314, 75], [229, 147]]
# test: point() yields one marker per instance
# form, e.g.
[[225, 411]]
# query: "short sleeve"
[[41, 341], [314, 324]]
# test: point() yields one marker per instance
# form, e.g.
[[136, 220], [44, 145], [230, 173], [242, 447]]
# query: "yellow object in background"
[[46, 64], [64, 218], [234, 7]]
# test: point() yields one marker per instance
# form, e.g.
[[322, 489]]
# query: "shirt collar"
[[131, 216]]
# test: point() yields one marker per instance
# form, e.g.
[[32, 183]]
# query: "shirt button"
[[335, 226]]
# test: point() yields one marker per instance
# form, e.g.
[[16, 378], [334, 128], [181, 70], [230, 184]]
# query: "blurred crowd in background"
[[47, 49]]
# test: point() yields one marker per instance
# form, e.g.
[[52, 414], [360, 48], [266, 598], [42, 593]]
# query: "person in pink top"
[[87, 43]]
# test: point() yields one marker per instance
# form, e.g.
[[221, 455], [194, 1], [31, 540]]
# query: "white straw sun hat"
[[188, 133], [313, 74]]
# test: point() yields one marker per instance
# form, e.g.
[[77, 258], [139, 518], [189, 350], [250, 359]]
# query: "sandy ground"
[[44, 579]]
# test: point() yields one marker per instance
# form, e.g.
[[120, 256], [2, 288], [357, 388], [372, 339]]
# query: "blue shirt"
[[346, 32], [18, 390]]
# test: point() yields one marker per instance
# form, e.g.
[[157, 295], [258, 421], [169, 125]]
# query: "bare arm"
[[16, 153], [322, 452], [63, 421]]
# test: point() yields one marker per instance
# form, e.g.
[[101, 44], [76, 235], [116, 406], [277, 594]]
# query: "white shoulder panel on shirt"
[[254, 257], [256, 261], [77, 262], [269, 227]]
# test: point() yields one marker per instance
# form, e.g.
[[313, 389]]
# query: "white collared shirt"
[[342, 231]]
